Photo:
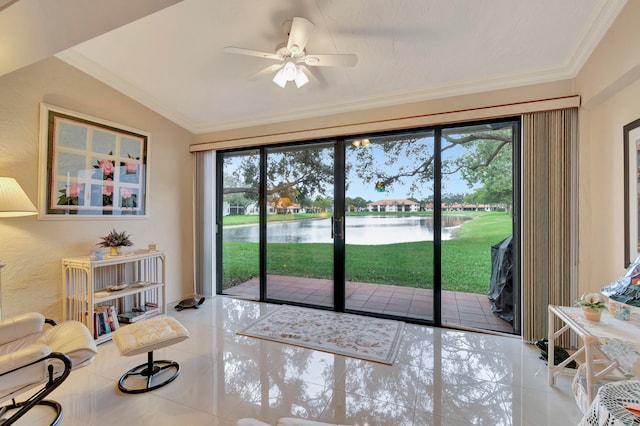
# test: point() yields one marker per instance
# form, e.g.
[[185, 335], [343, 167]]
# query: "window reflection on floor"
[[440, 377]]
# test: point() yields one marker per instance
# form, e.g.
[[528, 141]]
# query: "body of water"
[[360, 230]]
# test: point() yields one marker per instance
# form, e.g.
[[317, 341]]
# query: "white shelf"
[[86, 283], [131, 289]]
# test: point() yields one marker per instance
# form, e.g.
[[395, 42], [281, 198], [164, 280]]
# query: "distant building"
[[254, 209], [295, 209], [393, 206]]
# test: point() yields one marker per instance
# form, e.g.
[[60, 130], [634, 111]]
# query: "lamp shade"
[[13, 201]]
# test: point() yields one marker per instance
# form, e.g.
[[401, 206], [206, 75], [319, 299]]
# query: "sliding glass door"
[[299, 216], [420, 225], [389, 225], [480, 289], [239, 216]]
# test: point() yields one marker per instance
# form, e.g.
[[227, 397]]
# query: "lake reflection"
[[360, 230]]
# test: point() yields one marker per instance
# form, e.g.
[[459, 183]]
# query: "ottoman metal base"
[[149, 371]]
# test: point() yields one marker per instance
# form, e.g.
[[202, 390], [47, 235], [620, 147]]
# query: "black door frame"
[[339, 216]]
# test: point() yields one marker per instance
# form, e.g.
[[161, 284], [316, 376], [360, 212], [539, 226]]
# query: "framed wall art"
[[91, 168], [631, 191]]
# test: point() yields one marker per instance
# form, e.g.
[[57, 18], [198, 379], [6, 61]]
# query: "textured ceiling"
[[32, 30], [409, 50]]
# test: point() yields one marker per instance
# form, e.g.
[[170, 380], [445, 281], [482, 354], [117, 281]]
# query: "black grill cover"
[[501, 285]]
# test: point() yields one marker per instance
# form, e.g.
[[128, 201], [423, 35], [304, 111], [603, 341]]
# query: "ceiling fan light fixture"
[[301, 78], [280, 79], [361, 142], [291, 54], [290, 71]]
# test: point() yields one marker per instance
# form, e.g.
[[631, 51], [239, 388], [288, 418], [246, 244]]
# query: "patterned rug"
[[371, 339]]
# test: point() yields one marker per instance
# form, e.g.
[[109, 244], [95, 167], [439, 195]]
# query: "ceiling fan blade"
[[299, 34], [249, 52], [348, 60], [265, 71]]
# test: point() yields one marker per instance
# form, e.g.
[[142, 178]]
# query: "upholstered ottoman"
[[147, 336]]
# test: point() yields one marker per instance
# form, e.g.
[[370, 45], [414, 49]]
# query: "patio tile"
[[379, 299], [374, 306], [458, 309], [472, 317], [359, 296]]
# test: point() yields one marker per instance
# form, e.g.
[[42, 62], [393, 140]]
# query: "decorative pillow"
[[626, 289]]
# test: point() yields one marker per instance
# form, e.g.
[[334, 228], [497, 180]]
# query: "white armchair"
[[35, 356]]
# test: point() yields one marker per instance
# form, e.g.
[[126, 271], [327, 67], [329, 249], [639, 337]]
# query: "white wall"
[[610, 87], [32, 248]]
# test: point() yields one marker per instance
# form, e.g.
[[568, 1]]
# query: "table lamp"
[[13, 203]]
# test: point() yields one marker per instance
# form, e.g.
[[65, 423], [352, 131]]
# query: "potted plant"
[[115, 240], [592, 306]]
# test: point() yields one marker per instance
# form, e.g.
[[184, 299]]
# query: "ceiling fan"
[[293, 58]]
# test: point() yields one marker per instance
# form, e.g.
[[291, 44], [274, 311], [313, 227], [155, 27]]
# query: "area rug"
[[370, 339]]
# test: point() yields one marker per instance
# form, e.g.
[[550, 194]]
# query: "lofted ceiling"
[[173, 62]]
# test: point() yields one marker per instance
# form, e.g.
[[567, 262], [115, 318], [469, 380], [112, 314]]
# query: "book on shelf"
[[105, 320], [97, 330], [99, 323]]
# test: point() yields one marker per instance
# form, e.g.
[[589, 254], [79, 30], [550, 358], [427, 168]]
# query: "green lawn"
[[466, 260], [254, 218]]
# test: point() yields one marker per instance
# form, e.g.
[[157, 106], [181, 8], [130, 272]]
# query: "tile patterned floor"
[[441, 377], [458, 309]]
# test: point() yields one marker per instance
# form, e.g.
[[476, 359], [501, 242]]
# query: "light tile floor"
[[441, 377]]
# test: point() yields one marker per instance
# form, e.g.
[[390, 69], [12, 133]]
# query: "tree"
[[495, 174], [323, 203], [355, 204], [360, 203], [461, 152], [302, 199], [241, 176], [481, 157], [374, 163], [289, 173], [452, 198], [237, 198]]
